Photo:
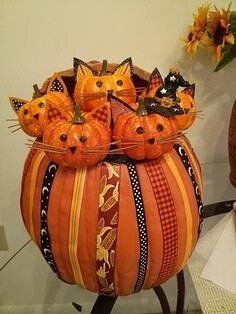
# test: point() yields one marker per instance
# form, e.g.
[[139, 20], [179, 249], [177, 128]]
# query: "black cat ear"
[[125, 68], [155, 81], [81, 69], [118, 107], [190, 90], [17, 103], [57, 85]]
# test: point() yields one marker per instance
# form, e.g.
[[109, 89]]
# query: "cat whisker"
[[110, 151], [45, 149], [16, 130], [14, 125], [45, 145], [107, 145], [12, 120]]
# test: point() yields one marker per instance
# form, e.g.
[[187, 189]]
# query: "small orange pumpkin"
[[187, 103], [82, 142], [36, 114], [92, 90], [143, 135]]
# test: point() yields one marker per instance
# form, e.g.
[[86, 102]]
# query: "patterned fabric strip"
[[74, 223], [142, 229], [168, 218], [107, 227], [33, 177], [186, 162], [44, 234]]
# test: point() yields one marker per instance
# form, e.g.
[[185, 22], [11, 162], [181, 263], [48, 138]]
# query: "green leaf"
[[228, 56]]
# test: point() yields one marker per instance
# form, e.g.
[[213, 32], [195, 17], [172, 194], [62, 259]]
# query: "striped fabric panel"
[[46, 248], [74, 223], [168, 218], [186, 162], [142, 228], [108, 216]]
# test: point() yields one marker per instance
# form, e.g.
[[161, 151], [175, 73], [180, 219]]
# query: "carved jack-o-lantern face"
[[82, 142], [34, 115], [92, 90], [143, 135]]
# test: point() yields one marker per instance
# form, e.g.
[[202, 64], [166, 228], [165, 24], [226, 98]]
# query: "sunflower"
[[197, 31], [219, 32]]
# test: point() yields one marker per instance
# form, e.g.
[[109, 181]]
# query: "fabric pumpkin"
[[148, 136], [76, 143], [92, 90], [34, 115], [114, 228]]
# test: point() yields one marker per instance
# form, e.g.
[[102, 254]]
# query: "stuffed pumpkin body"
[[114, 228]]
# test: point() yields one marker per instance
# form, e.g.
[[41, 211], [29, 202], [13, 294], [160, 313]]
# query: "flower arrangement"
[[214, 30]]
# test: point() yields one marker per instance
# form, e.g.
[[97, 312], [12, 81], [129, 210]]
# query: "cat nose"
[[72, 149], [36, 116], [151, 141], [109, 93]]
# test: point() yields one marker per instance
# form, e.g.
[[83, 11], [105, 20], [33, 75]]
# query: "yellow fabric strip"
[[189, 222], [33, 178], [74, 223]]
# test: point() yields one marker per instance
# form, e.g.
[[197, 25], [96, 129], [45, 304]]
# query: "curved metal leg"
[[180, 293], [163, 299], [103, 305]]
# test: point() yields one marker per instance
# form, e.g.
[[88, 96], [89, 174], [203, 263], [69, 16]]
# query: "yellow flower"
[[219, 32], [197, 31]]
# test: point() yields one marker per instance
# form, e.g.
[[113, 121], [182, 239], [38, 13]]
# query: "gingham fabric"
[[102, 114], [168, 218], [54, 114]]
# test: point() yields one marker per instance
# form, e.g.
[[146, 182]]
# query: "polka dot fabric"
[[141, 220]]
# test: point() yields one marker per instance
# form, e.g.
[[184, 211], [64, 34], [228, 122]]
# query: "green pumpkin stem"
[[37, 93], [78, 119], [141, 110], [104, 68]]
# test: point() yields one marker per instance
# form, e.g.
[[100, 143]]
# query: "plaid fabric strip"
[[101, 114], [44, 233], [107, 227], [168, 218], [186, 162], [141, 220], [54, 114]]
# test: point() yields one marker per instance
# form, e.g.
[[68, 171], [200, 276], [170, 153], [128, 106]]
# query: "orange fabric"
[[127, 251], [87, 233], [192, 200], [59, 219], [154, 230]]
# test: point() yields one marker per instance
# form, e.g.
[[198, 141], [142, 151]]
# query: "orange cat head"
[[92, 90], [34, 115]]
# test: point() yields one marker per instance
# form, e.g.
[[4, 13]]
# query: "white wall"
[[40, 37]]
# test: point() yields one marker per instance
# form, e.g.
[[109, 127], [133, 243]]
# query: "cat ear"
[[190, 90], [118, 107], [57, 85], [81, 69], [102, 114], [54, 112], [125, 68], [155, 81], [17, 103]]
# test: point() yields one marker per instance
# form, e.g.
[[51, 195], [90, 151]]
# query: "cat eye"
[[140, 130], [63, 137], [119, 82], [41, 105], [83, 138], [99, 83], [160, 127], [26, 111]]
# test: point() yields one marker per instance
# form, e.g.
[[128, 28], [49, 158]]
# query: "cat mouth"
[[72, 149]]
